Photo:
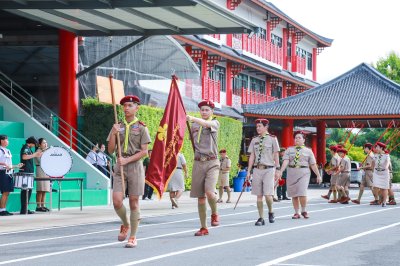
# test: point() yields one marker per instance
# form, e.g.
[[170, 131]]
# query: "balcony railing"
[[215, 36], [299, 64], [253, 97], [211, 89], [259, 47]]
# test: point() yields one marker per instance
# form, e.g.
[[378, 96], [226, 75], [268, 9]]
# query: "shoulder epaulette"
[[142, 123], [273, 136]]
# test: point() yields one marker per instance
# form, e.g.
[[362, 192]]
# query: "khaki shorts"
[[134, 181], [367, 179], [204, 178], [263, 182], [223, 180], [334, 180], [344, 180]]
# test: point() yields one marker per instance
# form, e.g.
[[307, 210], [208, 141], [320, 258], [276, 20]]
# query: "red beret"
[[381, 144], [339, 145], [222, 151], [342, 150], [262, 121], [206, 103], [368, 145], [386, 152], [130, 98], [299, 132], [333, 148]]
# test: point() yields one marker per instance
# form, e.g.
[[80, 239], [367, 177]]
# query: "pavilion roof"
[[361, 93]]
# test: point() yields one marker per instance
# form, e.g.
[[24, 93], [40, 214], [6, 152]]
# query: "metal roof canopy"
[[131, 17]]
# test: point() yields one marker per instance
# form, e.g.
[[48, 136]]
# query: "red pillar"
[[321, 144], [284, 48], [293, 59], [268, 86], [69, 90], [204, 72], [228, 83], [314, 64], [284, 89], [229, 39], [313, 143], [268, 31], [287, 133]]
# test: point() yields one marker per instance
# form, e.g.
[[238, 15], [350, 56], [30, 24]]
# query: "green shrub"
[[99, 118]]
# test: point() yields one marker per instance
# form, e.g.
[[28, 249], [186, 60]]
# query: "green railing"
[[41, 113]]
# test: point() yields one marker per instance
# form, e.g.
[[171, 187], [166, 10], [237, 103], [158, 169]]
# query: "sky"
[[363, 30]]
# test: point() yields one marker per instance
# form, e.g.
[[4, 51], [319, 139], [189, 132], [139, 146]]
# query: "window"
[[240, 81], [276, 40], [277, 92], [257, 85], [301, 52], [289, 51], [309, 61], [262, 34], [218, 73]]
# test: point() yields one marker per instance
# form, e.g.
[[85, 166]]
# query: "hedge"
[[99, 117]]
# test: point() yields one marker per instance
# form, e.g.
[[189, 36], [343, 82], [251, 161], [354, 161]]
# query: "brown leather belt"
[[261, 166], [205, 158], [298, 166]]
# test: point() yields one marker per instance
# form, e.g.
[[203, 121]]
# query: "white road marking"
[[141, 226], [153, 258], [151, 237], [330, 244]]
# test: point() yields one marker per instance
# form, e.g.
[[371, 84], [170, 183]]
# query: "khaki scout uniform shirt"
[[206, 165], [306, 157], [138, 135], [225, 163], [208, 145], [270, 146], [133, 172]]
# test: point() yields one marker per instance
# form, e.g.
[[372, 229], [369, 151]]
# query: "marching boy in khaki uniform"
[[333, 171], [343, 182], [134, 139], [206, 164], [367, 178], [264, 161], [223, 179]]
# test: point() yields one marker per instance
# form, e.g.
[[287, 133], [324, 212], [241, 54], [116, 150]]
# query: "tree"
[[390, 66]]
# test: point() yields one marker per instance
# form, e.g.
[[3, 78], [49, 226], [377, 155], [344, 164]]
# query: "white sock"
[[2, 210]]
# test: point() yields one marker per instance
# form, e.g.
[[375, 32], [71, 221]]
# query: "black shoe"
[[29, 212], [259, 222], [40, 209], [286, 198], [271, 217], [46, 209], [5, 213], [279, 198]]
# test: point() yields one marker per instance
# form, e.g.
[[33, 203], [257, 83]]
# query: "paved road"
[[335, 234]]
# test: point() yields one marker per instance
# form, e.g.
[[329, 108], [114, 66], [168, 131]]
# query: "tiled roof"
[[324, 40], [360, 92]]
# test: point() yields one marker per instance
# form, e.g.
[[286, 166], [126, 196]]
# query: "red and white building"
[[276, 61]]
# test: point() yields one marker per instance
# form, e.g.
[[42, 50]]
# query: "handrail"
[[41, 113]]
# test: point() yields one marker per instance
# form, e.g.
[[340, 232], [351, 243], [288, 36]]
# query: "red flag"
[[168, 142]]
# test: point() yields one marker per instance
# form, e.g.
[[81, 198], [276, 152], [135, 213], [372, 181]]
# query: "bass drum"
[[56, 161]]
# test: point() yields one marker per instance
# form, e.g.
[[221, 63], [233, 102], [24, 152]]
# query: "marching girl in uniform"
[[299, 159], [381, 176]]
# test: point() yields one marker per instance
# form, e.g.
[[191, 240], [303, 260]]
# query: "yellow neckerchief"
[[127, 126], [201, 128], [297, 156], [261, 146]]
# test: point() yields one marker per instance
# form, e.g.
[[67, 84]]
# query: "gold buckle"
[[203, 159]]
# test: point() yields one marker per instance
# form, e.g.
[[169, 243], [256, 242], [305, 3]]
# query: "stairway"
[[19, 121]]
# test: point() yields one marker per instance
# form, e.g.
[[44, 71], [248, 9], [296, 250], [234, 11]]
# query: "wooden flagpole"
[[118, 138]]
